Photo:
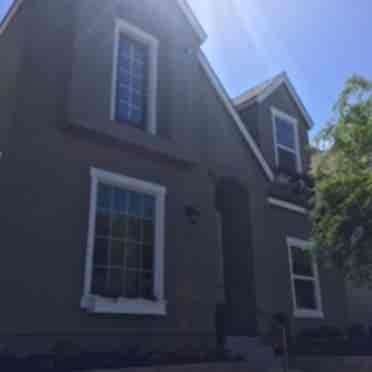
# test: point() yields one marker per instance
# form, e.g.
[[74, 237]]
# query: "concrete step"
[[256, 354]]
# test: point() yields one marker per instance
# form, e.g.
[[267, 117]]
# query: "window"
[[134, 78], [287, 151], [305, 279], [124, 271]]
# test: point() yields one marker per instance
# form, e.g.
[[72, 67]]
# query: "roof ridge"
[[265, 89], [251, 93]]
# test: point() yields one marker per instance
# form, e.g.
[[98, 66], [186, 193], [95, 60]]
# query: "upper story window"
[[286, 142], [124, 269], [305, 280], [134, 87]]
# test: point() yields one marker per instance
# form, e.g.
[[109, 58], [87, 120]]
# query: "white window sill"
[[100, 305], [310, 314]]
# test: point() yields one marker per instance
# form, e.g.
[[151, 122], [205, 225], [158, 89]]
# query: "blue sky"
[[320, 43], [4, 6]]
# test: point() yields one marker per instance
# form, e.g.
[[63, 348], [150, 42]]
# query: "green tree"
[[342, 200]]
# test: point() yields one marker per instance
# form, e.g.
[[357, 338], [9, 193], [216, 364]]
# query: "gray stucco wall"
[[275, 278], [62, 128], [359, 300], [282, 100], [46, 173], [272, 226], [250, 117]]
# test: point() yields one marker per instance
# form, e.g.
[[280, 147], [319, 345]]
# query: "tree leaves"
[[342, 201]]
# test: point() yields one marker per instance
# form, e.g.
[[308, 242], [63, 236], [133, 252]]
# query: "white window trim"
[[275, 113], [125, 28], [287, 205], [98, 304], [303, 313]]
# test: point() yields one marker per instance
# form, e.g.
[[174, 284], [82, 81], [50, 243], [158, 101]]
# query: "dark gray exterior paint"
[[272, 278], [359, 305], [258, 119], [62, 127]]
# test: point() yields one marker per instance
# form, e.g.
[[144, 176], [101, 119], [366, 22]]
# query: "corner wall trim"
[[287, 205]]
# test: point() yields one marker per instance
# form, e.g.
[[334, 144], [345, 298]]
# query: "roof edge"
[[193, 20], [10, 15], [183, 4], [282, 78], [235, 116]]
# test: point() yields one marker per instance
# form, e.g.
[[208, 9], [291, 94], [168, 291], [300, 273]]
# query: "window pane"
[[104, 196], [302, 262], [124, 78], [119, 226], [123, 257], [117, 253], [138, 101], [138, 69], [99, 281], [120, 200], [124, 47], [138, 84], [131, 83], [124, 67], [287, 160], [125, 94], [103, 223], [135, 204], [148, 232], [136, 117], [134, 229], [101, 252], [149, 207], [123, 113], [147, 257], [132, 284], [115, 283], [305, 294], [133, 252], [285, 133], [147, 285], [140, 53]]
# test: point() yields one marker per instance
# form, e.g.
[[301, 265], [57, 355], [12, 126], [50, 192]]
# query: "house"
[[137, 199]]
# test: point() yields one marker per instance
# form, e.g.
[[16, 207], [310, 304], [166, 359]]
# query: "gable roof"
[[183, 4], [260, 92], [194, 22], [235, 116]]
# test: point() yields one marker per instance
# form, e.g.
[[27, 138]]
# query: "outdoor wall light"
[[192, 213]]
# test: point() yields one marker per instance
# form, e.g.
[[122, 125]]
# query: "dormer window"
[[286, 142], [134, 78]]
